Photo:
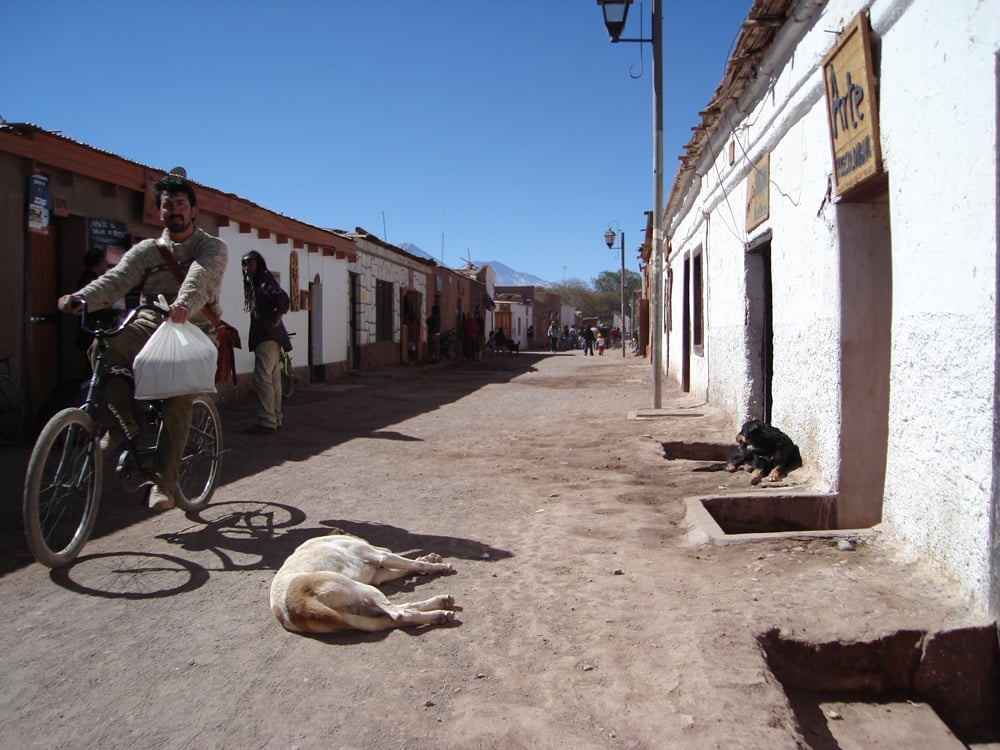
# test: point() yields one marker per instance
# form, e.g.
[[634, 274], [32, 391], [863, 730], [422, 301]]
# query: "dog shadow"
[[406, 543]]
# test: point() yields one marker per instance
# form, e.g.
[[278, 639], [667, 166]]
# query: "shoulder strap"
[[175, 268]]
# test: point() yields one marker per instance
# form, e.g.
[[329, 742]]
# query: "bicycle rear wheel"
[[202, 458], [62, 489]]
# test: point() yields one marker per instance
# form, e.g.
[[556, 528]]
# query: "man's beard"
[[178, 224]]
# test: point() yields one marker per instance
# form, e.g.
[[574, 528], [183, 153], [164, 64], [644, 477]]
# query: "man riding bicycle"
[[202, 260]]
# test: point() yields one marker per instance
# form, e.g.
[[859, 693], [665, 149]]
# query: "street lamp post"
[[609, 237], [615, 14]]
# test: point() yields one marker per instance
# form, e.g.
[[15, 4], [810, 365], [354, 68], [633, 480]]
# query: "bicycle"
[[11, 407], [287, 373], [62, 488]]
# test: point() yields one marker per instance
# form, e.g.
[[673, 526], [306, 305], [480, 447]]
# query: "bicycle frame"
[[62, 486], [95, 400]]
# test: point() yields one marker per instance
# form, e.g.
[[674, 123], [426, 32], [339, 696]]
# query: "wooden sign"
[[293, 282], [851, 107], [759, 193]]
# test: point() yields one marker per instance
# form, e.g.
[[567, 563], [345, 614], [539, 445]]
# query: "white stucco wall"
[[938, 112], [939, 119], [277, 256], [332, 273], [787, 120]]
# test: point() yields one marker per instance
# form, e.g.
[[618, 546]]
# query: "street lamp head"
[[609, 237], [615, 13]]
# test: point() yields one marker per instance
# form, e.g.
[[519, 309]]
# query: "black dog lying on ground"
[[764, 450]]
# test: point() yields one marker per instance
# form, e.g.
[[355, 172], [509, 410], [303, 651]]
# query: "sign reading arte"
[[852, 110]]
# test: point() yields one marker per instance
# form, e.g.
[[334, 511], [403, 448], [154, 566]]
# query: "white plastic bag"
[[179, 358]]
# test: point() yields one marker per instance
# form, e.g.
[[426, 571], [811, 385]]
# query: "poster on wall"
[[38, 204], [111, 237]]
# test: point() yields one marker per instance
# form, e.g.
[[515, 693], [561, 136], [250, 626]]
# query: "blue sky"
[[509, 131]]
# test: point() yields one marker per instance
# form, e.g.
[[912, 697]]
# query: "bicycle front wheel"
[[62, 489], [287, 376], [202, 458]]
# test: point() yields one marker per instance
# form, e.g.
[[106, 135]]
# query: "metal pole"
[[621, 329], [657, 312]]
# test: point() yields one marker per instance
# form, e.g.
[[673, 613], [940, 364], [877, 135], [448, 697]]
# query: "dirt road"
[[585, 619]]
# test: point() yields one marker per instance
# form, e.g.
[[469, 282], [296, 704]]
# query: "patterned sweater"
[[201, 257]]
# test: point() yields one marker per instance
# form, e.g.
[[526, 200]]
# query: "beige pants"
[[118, 402], [267, 383]]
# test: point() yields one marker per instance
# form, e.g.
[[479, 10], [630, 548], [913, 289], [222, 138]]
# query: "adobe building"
[[60, 198]]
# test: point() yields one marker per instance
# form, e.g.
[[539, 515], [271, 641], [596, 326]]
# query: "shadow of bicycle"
[[130, 575], [244, 535], [260, 535]]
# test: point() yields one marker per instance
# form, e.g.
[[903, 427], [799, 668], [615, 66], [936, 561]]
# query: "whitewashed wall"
[[788, 122], [938, 116], [277, 256], [939, 124], [333, 275]]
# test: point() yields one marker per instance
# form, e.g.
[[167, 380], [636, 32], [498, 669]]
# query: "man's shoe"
[[259, 429], [160, 499]]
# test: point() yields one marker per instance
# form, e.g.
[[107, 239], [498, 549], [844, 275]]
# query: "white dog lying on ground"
[[328, 584]]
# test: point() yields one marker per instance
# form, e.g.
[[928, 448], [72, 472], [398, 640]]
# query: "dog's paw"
[[444, 617], [447, 601], [730, 468], [432, 557], [755, 478]]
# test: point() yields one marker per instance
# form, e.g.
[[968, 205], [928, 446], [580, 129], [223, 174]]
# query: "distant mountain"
[[414, 250], [506, 276]]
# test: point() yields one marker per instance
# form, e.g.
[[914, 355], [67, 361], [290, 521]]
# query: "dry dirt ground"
[[585, 618]]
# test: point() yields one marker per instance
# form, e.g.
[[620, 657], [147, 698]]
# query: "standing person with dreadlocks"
[[266, 302]]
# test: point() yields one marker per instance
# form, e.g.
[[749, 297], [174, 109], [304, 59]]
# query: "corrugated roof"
[[21, 128], [757, 32]]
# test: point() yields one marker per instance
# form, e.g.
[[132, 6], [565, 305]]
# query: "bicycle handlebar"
[[103, 333]]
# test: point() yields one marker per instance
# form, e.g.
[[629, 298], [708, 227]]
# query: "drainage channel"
[[764, 513], [907, 689]]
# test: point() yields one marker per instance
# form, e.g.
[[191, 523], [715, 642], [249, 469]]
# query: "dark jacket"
[[269, 301]]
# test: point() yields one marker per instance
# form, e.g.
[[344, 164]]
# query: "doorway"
[[354, 314], [411, 309], [760, 328], [686, 328]]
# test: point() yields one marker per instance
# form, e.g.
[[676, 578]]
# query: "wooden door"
[[42, 326]]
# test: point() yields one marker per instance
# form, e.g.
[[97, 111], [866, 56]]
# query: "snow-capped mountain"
[[506, 276], [414, 250]]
